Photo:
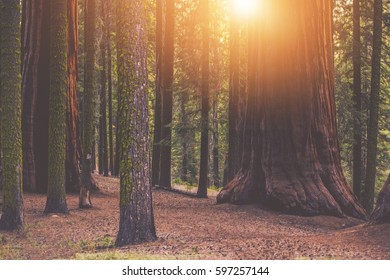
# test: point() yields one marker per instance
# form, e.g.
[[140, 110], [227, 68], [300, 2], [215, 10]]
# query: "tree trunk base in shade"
[[133, 229], [11, 220], [56, 206], [381, 213], [85, 198]]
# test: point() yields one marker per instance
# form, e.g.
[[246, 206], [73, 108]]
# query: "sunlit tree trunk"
[[136, 223], [205, 99], [73, 139], [291, 155], [11, 103]]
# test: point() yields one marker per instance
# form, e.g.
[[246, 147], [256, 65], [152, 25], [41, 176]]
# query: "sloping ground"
[[190, 228]]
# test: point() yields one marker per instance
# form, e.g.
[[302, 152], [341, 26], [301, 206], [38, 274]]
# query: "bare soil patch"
[[190, 228]]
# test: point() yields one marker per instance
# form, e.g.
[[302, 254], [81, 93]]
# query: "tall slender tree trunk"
[[31, 42], [159, 89], [107, 38], [136, 211], [167, 97], [182, 132], [11, 103], [103, 98], [204, 145], [73, 139], [233, 158], [89, 95], [56, 191], [291, 155], [357, 100], [216, 180], [373, 120]]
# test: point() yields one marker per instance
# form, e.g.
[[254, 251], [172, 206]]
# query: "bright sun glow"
[[244, 7]]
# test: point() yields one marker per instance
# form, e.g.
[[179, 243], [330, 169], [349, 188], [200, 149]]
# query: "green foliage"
[[344, 81]]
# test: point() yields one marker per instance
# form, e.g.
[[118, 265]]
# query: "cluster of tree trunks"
[[290, 153], [35, 96]]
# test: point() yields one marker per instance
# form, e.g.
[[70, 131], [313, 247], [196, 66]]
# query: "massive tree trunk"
[[167, 97], [136, 213], [204, 145], [291, 156], [357, 100], [73, 139], [89, 95], [381, 213], [373, 120], [56, 191], [10, 106], [157, 104]]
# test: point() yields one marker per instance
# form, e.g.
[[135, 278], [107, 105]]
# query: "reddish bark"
[[291, 155], [73, 176]]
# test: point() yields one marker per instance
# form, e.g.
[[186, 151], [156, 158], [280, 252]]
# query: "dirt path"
[[190, 228]]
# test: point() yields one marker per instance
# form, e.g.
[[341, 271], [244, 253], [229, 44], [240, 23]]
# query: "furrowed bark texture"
[[56, 192], [291, 156], [11, 102], [88, 113], [73, 139], [136, 213]]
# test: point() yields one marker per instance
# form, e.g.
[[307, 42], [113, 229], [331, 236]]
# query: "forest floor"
[[190, 228]]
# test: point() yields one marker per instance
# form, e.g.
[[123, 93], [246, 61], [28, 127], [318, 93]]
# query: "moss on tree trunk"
[[56, 194], [11, 102], [136, 213]]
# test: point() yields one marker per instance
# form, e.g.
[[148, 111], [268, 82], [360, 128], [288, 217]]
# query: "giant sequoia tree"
[[291, 155], [11, 101], [382, 210], [136, 213]]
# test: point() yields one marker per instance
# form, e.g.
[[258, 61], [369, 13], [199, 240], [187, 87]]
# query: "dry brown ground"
[[190, 228]]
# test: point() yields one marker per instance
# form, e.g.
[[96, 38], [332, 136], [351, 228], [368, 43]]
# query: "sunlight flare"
[[245, 7]]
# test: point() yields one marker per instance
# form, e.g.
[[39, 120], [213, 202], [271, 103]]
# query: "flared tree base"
[[11, 220], [325, 194], [135, 228], [56, 206]]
